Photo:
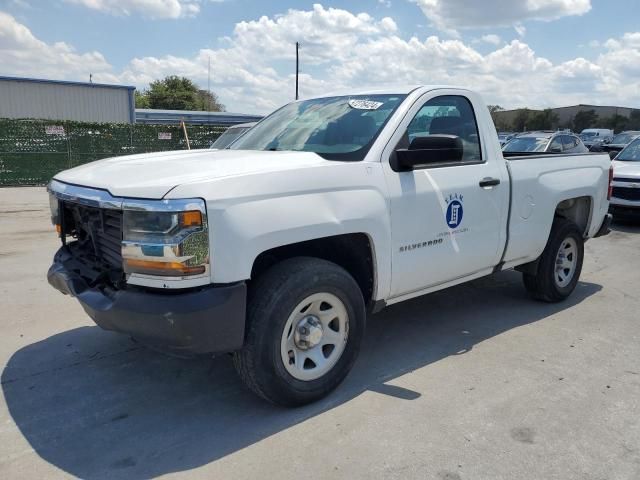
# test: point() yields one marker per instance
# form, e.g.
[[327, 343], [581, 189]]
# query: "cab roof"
[[386, 90]]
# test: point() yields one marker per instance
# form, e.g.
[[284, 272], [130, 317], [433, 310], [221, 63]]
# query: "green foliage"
[[500, 123], [31, 156], [634, 120], [177, 93], [617, 123], [142, 99], [544, 120], [585, 119], [520, 122], [209, 101]]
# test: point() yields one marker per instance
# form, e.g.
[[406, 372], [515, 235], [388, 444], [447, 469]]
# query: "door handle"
[[489, 182]]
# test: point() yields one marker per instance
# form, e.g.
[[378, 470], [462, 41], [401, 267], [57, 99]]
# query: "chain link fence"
[[33, 151]]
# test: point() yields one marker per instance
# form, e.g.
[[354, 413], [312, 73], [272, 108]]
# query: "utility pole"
[[209, 85], [297, 68]]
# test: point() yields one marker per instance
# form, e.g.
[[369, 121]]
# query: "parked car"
[[504, 137], [620, 141], [230, 135], [594, 138], [625, 197], [328, 207], [545, 142]]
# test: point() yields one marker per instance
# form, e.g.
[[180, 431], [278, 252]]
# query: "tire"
[[281, 368], [549, 283]]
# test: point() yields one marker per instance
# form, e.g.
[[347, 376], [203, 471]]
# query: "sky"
[[516, 53]]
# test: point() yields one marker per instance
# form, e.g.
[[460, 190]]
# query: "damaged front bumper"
[[204, 320]]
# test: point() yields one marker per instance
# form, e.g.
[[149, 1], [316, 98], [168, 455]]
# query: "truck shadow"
[[96, 405]]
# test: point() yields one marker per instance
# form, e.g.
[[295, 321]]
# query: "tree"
[[617, 123], [634, 120], [567, 124], [544, 120], [498, 120], [142, 100], [520, 121], [209, 101], [177, 93], [585, 119]]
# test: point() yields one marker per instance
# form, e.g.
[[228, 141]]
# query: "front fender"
[[243, 231], [249, 215]]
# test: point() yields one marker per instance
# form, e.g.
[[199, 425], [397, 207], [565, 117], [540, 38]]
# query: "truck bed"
[[528, 155], [538, 187]]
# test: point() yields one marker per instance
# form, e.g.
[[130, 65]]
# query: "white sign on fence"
[[54, 130], [164, 135]]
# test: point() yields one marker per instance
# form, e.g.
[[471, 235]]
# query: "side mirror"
[[613, 154], [555, 150], [424, 151]]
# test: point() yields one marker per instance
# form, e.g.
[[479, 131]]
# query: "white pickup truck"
[[332, 207]]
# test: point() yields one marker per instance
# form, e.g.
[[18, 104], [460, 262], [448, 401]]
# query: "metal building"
[[60, 100], [566, 114], [175, 117]]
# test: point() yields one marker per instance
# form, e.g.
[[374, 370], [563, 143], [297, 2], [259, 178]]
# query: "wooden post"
[[186, 136]]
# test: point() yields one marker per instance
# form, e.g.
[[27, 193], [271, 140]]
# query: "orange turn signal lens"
[[169, 269], [192, 218]]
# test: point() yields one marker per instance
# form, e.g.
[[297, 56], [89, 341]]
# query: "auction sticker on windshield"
[[365, 104]]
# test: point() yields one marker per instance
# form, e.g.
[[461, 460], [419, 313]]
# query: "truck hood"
[[153, 175], [626, 169]]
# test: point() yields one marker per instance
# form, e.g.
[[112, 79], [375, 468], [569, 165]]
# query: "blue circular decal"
[[454, 214]]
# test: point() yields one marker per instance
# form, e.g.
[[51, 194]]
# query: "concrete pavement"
[[476, 382]]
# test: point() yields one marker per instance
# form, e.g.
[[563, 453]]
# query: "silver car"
[[545, 142], [232, 133]]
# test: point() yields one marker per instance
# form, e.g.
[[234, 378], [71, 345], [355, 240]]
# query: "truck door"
[[448, 219]]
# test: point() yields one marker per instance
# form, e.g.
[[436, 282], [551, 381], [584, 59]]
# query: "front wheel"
[[305, 319], [560, 264]]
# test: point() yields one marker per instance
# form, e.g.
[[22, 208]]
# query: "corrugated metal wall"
[[65, 101], [174, 117]]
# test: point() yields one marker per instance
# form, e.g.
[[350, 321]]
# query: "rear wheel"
[[560, 264], [306, 319]]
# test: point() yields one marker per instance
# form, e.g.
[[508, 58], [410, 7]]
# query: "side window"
[[556, 145], [570, 142], [448, 115]]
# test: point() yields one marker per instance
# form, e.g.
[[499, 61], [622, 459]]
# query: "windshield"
[[228, 137], [623, 138], [336, 128], [631, 153], [526, 144], [586, 135]]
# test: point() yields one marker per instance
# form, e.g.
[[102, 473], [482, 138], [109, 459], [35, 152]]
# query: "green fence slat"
[[33, 151]]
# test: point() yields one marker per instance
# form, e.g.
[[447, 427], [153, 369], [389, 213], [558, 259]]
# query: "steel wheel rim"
[[307, 354], [566, 262]]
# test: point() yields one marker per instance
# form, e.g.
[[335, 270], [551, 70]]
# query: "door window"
[[556, 145], [569, 142], [447, 115]]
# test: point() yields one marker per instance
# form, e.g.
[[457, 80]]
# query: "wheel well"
[[578, 210], [353, 252]]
